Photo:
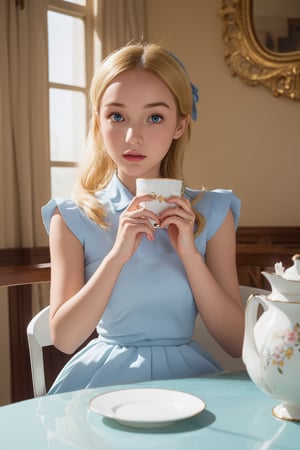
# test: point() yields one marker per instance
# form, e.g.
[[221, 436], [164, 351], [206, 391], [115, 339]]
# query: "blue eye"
[[155, 118], [116, 117]]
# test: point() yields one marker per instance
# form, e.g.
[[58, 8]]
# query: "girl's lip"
[[134, 157]]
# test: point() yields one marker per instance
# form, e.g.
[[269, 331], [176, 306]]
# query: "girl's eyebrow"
[[154, 105], [118, 105], [148, 105]]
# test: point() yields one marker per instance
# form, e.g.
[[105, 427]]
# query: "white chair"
[[38, 335], [205, 339]]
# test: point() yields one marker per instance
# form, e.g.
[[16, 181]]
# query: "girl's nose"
[[133, 137]]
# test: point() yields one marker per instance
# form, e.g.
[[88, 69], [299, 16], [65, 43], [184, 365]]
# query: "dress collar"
[[117, 194]]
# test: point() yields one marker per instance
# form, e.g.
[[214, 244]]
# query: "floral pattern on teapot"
[[287, 343]]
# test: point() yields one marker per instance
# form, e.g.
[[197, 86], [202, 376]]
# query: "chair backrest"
[[45, 360], [246, 291], [205, 339], [38, 335]]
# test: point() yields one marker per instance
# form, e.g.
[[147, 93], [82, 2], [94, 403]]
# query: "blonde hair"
[[97, 168]]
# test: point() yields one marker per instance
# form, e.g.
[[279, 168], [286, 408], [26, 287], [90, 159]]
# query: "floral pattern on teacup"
[[287, 342], [159, 197]]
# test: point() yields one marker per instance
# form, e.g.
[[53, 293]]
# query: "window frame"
[[86, 13]]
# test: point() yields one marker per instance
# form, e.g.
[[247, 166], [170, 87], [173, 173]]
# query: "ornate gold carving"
[[280, 72]]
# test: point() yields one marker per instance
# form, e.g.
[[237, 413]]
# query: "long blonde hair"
[[97, 168]]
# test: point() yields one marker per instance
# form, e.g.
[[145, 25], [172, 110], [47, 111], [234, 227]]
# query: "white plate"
[[147, 408]]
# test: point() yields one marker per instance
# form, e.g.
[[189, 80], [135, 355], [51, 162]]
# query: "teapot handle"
[[251, 356]]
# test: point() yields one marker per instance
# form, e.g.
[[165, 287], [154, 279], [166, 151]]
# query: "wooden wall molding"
[[259, 248]]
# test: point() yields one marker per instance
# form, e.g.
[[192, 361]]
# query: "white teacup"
[[160, 189]]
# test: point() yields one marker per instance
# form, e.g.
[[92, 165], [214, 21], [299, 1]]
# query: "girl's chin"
[[137, 172]]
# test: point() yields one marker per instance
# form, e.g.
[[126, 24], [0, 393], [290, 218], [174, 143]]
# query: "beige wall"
[[245, 139]]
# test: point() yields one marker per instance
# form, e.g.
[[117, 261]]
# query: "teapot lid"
[[291, 273]]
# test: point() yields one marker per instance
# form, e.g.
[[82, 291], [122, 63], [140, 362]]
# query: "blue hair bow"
[[195, 90]]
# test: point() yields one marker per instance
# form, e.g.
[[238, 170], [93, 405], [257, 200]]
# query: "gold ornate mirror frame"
[[280, 72]]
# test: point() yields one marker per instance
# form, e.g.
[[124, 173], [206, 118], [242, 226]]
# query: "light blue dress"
[[146, 330]]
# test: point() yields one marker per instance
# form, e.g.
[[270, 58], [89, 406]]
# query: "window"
[[70, 50]]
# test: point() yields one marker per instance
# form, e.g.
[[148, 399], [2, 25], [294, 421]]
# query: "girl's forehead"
[[138, 81], [137, 73], [139, 76]]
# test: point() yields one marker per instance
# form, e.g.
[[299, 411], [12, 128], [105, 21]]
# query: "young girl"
[[140, 287]]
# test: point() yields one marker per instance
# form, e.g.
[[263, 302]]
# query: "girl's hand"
[[179, 221], [134, 222]]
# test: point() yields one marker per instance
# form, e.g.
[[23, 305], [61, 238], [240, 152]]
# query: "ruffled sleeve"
[[214, 206], [75, 220], [220, 202]]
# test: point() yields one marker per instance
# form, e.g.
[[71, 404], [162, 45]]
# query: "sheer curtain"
[[119, 22], [25, 178], [24, 167]]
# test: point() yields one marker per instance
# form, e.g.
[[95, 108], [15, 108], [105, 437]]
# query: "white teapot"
[[271, 349]]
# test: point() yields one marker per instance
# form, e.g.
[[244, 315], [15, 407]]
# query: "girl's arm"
[[76, 306], [215, 288]]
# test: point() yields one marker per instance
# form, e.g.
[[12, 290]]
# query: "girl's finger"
[[184, 203], [135, 202]]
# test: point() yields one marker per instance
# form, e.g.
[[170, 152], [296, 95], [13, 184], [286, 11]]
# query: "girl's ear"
[[182, 126]]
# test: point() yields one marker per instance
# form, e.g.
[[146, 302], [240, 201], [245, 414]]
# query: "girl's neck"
[[130, 181]]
